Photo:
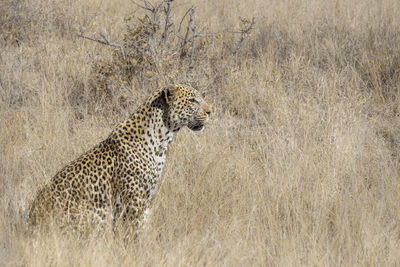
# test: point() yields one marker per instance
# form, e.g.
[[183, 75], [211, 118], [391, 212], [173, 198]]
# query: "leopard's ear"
[[168, 93]]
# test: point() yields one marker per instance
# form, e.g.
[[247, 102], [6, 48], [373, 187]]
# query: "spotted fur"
[[120, 176]]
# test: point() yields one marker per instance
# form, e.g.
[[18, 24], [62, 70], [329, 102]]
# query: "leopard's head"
[[186, 107]]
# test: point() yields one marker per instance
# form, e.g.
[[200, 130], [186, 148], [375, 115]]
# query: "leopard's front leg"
[[129, 213]]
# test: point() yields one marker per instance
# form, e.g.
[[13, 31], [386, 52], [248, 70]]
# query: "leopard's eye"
[[193, 100]]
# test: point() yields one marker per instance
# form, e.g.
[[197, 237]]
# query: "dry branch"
[[104, 42], [193, 50], [146, 3], [167, 25], [248, 27], [188, 28]]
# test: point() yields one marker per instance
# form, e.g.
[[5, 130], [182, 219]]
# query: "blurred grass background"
[[298, 166]]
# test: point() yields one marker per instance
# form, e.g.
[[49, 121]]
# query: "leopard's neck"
[[148, 131]]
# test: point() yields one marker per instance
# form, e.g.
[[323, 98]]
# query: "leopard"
[[118, 178]]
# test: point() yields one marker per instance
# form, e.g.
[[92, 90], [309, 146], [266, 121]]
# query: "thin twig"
[[144, 7], [147, 3], [187, 12], [177, 35], [155, 11]]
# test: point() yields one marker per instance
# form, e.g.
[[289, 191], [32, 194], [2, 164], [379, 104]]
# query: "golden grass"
[[298, 166]]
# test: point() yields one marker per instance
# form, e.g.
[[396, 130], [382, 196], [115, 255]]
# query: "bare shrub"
[[157, 49]]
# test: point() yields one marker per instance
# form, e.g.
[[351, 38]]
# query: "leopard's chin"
[[198, 127]]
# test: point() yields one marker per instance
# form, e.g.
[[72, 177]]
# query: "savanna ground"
[[300, 164]]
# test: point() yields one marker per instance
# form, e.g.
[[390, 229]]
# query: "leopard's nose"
[[207, 109]]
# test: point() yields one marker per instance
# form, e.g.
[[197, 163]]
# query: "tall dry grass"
[[299, 165]]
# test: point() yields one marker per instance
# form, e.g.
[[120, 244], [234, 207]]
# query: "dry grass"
[[299, 166]]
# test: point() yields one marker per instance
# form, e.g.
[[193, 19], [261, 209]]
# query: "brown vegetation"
[[300, 164]]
